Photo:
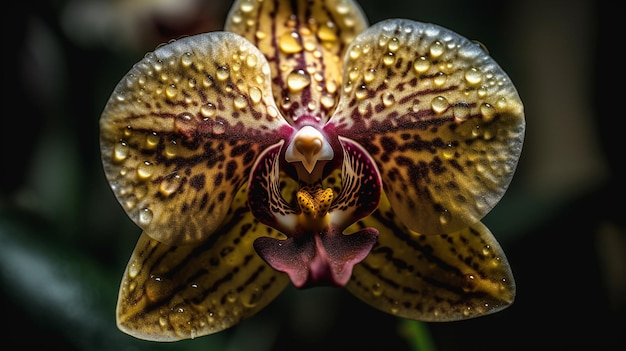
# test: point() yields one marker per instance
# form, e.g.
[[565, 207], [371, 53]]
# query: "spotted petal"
[[440, 117], [182, 130], [304, 42], [448, 277], [171, 293]]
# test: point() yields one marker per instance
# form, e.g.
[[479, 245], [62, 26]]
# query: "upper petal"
[[304, 42], [440, 117], [182, 129]]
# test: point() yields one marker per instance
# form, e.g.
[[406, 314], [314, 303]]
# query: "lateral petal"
[[440, 117], [181, 131]]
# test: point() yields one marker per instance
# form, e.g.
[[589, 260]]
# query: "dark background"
[[64, 240]]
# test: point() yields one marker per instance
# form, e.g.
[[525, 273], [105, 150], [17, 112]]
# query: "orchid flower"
[[302, 145]]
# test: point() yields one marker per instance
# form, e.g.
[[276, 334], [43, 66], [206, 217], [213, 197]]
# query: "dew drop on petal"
[[440, 79], [208, 110], [289, 43], [389, 59], [436, 49], [120, 151], [145, 217], [444, 217], [473, 76], [369, 75], [421, 65], [487, 111], [255, 95], [169, 185], [145, 170], [298, 80], [393, 44], [240, 102], [439, 104], [222, 73], [388, 99], [327, 100], [461, 111], [377, 289], [186, 59]]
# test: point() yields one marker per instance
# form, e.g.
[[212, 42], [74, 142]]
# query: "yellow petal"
[[171, 293], [304, 42], [181, 131], [442, 120], [449, 277]]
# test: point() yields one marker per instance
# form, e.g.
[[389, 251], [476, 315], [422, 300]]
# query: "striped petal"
[[448, 277], [304, 42], [171, 293], [182, 130], [440, 117]]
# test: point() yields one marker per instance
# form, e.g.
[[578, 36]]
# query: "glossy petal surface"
[[182, 130], [440, 117], [449, 277], [304, 42], [171, 293]]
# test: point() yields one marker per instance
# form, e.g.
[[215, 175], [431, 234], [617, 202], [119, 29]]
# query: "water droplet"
[[421, 65], [369, 75], [355, 52], [327, 100], [240, 102], [361, 92], [439, 104], [186, 60], [377, 289], [461, 111], [331, 86], [255, 95], [231, 296], [436, 49], [145, 217], [473, 76], [354, 73], [449, 151], [133, 269], [444, 217], [180, 318], [388, 99], [208, 110], [289, 43], [440, 79], [171, 149], [169, 185], [343, 8], [247, 6], [487, 111], [487, 250], [298, 80], [389, 59], [272, 111], [393, 44], [363, 107], [260, 35], [326, 32], [120, 151], [145, 170], [222, 73]]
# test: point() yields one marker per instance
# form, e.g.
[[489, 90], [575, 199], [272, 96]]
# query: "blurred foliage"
[[65, 241]]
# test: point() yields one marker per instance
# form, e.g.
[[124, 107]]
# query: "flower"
[[302, 145]]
